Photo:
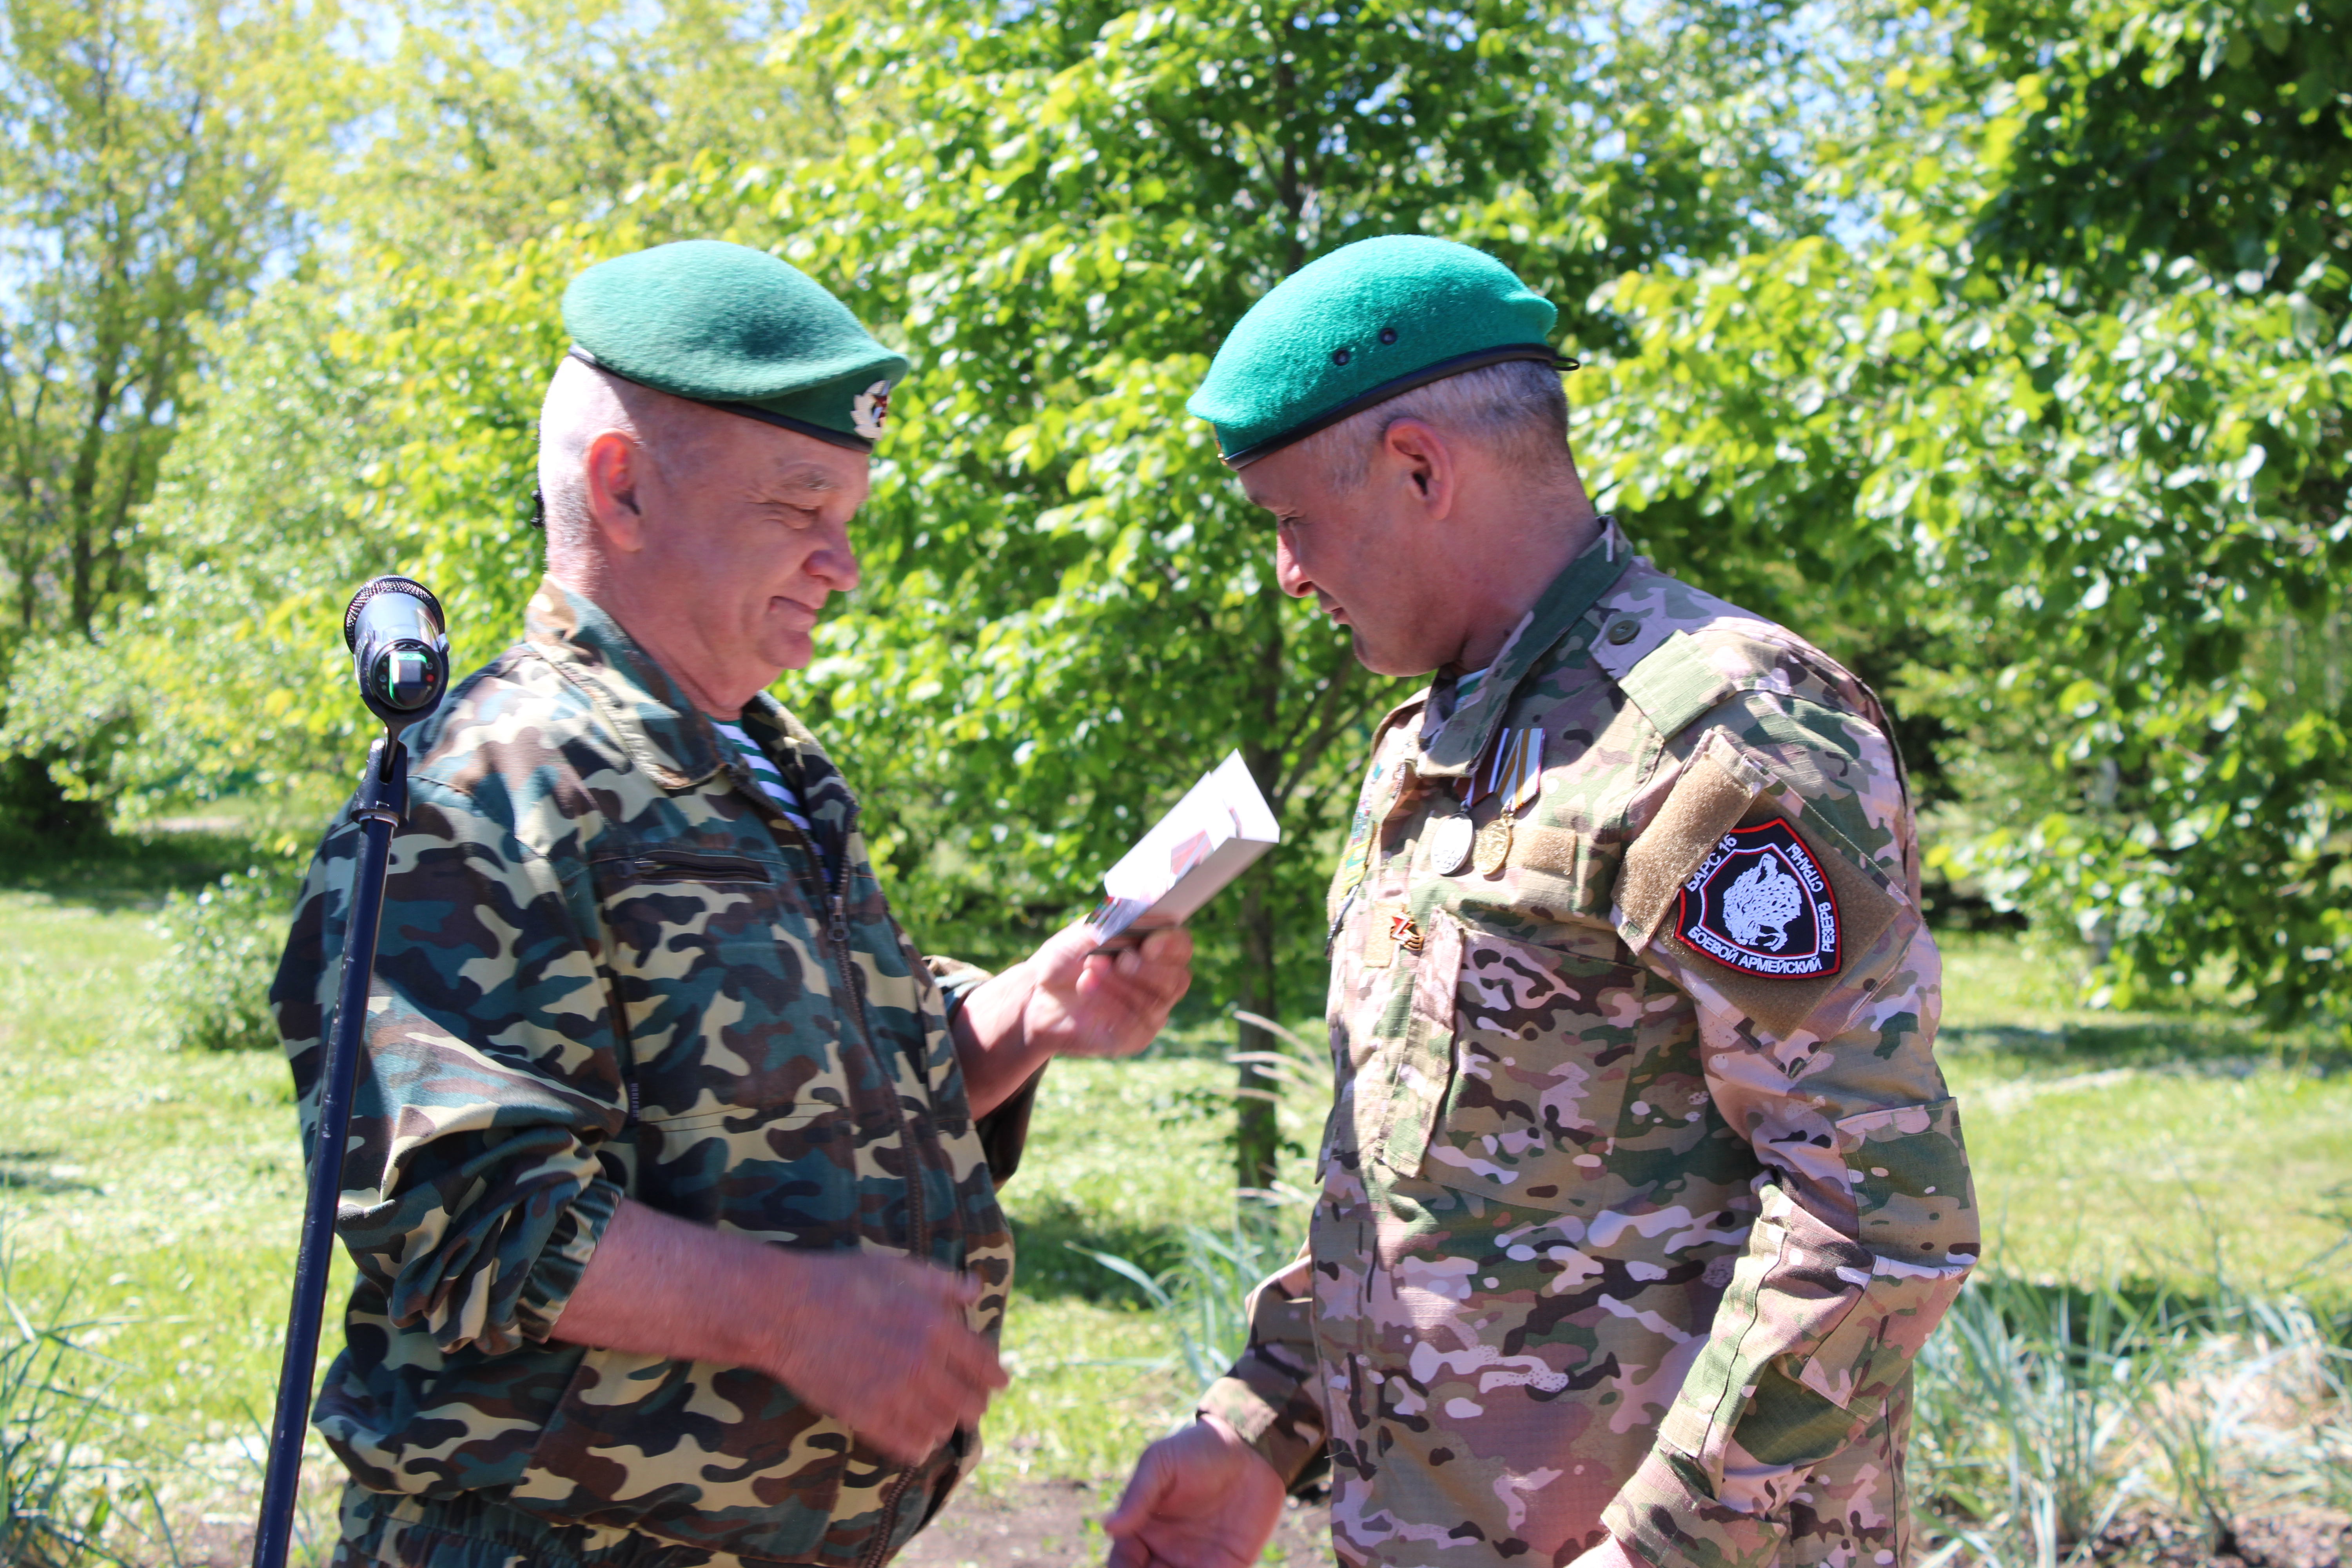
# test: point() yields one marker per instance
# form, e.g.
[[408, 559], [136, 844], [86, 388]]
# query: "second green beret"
[[1357, 328], [736, 329]]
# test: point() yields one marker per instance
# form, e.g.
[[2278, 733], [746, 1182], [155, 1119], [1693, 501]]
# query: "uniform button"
[[1624, 632]]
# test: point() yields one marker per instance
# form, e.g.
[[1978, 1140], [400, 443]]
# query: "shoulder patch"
[[1674, 684], [1760, 904]]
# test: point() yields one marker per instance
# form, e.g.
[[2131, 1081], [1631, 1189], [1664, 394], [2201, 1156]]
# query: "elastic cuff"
[[556, 1273], [1004, 1132], [956, 980], [1288, 1434], [1667, 1517]]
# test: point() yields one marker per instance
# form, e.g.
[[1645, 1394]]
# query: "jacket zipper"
[[918, 1220]]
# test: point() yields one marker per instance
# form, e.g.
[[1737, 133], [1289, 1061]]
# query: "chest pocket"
[[1406, 1077], [1545, 1044], [729, 1017]]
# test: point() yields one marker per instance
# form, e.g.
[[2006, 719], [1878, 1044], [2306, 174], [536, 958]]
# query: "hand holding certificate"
[[1208, 838]]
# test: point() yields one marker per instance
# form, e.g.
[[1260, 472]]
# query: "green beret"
[[736, 329], [1360, 326]]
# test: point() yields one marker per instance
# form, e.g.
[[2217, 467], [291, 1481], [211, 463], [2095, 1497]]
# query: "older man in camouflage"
[[671, 1180], [1641, 1189]]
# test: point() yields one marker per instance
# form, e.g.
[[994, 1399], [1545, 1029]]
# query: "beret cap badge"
[[1464, 310], [735, 329], [870, 408]]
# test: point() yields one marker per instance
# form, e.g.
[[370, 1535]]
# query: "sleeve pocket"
[[1917, 1218]]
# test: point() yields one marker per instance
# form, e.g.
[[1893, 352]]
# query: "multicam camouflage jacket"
[[610, 967], [1641, 1188]]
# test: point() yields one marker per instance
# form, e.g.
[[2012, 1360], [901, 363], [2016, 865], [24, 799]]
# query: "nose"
[[835, 561], [1287, 573]]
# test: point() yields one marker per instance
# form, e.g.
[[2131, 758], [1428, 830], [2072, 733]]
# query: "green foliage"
[[210, 990], [2043, 433], [2047, 1413], [217, 667], [2212, 131], [491, 117], [137, 200], [2093, 521]]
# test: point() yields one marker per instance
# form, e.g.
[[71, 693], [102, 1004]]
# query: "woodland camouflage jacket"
[[1641, 1189], [611, 967]]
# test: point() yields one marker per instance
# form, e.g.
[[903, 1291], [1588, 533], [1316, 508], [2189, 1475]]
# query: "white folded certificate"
[[1211, 835]]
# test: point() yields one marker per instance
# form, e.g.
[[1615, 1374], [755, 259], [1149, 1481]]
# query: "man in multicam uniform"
[[671, 1178], [1641, 1188]]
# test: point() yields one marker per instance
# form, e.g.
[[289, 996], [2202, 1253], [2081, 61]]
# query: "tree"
[[2091, 449], [220, 671], [139, 188], [1070, 608]]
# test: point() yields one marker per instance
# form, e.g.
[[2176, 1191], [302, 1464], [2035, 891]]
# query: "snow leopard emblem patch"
[[1759, 904]]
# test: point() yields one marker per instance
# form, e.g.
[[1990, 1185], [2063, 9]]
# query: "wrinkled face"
[[1370, 556], [754, 537]]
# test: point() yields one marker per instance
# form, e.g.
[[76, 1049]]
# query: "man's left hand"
[[1068, 999], [1083, 1002]]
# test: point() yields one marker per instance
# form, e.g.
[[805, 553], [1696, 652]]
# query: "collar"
[[658, 726], [1465, 734]]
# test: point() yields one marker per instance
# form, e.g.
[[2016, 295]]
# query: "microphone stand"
[[381, 809]]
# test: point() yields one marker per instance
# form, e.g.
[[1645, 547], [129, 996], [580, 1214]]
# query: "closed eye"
[[795, 516]]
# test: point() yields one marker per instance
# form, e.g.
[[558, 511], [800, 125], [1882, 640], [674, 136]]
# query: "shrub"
[[211, 988]]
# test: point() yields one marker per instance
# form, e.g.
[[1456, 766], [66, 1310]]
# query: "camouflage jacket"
[[609, 967], [1640, 1188]]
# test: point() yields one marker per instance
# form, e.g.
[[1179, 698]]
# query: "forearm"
[[992, 1040], [1811, 1345], [1269, 1397], [880, 1342], [657, 1285]]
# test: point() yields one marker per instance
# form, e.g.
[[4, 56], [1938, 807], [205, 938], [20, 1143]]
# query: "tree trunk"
[[1257, 1138]]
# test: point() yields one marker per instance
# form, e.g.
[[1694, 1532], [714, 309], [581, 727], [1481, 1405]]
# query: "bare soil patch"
[[2300, 1538]]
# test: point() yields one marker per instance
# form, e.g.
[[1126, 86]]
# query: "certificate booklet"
[[1211, 835]]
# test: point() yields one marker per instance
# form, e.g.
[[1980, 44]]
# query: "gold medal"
[[1519, 760], [1493, 845]]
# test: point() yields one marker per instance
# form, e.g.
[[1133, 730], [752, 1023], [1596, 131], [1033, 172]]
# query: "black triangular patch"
[[1759, 903]]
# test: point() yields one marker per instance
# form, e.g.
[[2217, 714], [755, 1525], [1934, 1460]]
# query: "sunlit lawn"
[[162, 1188], [2164, 1147]]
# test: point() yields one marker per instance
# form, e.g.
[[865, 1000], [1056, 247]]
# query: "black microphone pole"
[[400, 657]]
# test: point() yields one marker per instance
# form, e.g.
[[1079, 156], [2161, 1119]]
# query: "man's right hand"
[[1200, 1499], [882, 1343]]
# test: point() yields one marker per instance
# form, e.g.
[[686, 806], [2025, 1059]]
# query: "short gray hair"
[[1517, 410], [582, 402]]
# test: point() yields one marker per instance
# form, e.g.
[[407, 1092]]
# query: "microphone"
[[400, 650]]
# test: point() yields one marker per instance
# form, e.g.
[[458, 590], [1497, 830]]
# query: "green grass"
[[2164, 1149], [163, 1187], [160, 1191]]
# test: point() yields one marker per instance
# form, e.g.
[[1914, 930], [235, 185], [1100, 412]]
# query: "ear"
[[616, 470], [1425, 459]]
